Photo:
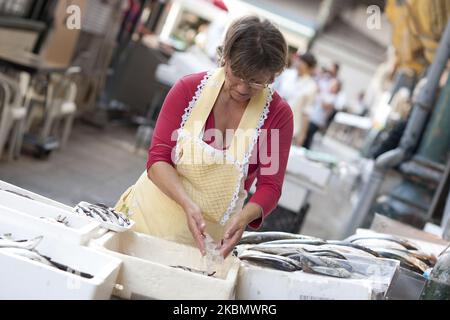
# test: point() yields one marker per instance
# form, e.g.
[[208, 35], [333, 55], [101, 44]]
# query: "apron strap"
[[243, 137]]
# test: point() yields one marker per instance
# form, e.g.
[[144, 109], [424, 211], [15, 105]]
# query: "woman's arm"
[[273, 156]]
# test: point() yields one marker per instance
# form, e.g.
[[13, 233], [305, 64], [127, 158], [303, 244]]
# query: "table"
[[28, 62]]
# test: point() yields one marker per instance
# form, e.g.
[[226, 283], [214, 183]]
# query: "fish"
[[270, 260], [332, 272], [20, 244], [382, 236], [276, 250], [429, 259], [102, 213], [121, 218], [36, 256], [379, 243], [327, 253], [354, 246], [314, 261], [204, 273], [59, 219], [251, 237], [313, 242], [407, 261], [30, 254], [286, 251]]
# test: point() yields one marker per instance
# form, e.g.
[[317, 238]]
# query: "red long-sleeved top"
[[265, 156]]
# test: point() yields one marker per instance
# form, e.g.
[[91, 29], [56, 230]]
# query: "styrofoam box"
[[258, 283], [147, 272], [311, 171], [293, 196], [79, 230], [22, 278], [26, 193]]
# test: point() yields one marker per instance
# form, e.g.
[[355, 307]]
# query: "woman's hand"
[[196, 225], [237, 225]]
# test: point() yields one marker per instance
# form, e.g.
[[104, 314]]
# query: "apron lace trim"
[[242, 167]]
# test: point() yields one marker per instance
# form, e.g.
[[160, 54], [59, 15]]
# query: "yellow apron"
[[214, 179]]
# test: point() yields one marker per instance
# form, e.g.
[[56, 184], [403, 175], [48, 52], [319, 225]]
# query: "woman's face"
[[242, 90]]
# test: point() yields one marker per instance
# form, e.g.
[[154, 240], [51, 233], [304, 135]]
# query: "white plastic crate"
[[22, 278], [309, 171], [26, 211], [254, 282], [147, 273], [31, 195], [257, 283]]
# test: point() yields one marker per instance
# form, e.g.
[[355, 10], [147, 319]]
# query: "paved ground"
[[98, 165]]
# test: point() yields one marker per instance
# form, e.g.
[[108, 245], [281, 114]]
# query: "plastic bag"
[[213, 259]]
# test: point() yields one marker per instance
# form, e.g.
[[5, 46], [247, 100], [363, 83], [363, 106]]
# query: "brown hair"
[[253, 46]]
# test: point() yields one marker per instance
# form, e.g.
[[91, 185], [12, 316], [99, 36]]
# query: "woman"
[[215, 134]]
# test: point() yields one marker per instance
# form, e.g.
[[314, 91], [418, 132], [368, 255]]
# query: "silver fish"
[[270, 261], [251, 237], [407, 261], [275, 250], [310, 261], [287, 249], [352, 245], [22, 244], [348, 250], [379, 243], [59, 219], [314, 242], [100, 214], [405, 243], [204, 273], [332, 272], [32, 255], [327, 253]]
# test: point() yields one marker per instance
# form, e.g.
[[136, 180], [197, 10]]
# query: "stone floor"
[[99, 164]]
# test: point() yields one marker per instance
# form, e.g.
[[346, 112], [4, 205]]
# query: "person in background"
[[284, 84], [339, 102], [361, 108], [302, 101], [319, 115], [198, 174]]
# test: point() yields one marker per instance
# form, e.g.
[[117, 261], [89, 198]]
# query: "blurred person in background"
[[339, 102], [323, 107], [284, 84], [198, 175], [361, 109], [302, 100]]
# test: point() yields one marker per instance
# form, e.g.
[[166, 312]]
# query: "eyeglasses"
[[252, 85]]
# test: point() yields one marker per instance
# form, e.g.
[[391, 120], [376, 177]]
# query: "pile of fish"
[[392, 247], [27, 248], [293, 252], [102, 213]]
